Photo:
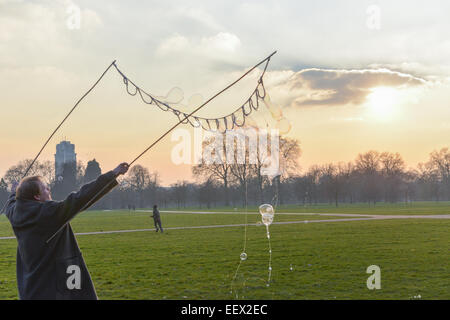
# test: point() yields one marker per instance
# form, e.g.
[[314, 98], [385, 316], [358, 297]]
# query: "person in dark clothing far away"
[[49, 262], [157, 218]]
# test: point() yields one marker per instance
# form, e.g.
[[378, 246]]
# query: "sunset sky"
[[351, 76]]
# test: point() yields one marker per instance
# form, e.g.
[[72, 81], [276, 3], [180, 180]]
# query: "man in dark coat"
[[49, 262], [157, 218]]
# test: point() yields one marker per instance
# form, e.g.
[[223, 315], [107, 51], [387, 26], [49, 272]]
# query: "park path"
[[346, 217], [373, 216]]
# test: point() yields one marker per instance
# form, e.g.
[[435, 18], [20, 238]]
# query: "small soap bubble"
[[283, 125], [175, 95], [195, 101], [243, 256], [250, 122], [267, 219], [275, 111], [266, 209]]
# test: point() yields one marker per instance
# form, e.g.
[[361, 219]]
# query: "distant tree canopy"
[[3, 192], [67, 182], [44, 169], [372, 177], [92, 171]]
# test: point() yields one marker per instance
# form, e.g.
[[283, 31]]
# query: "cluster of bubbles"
[[267, 213], [255, 120], [176, 96]]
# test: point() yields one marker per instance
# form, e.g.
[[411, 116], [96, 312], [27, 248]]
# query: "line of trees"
[[372, 177]]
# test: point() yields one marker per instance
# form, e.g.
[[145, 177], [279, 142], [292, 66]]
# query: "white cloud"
[[223, 41], [218, 46], [174, 44], [199, 15]]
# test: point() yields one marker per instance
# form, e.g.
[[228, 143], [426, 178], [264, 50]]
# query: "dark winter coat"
[[53, 269]]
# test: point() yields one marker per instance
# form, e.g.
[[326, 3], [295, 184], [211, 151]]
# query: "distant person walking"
[[157, 218]]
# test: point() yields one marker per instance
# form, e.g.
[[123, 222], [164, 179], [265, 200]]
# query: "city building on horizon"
[[65, 153]]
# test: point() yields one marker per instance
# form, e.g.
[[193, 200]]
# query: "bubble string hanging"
[[267, 214], [243, 256], [221, 124]]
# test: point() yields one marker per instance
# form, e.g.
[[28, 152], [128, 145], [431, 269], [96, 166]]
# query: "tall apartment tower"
[[65, 153]]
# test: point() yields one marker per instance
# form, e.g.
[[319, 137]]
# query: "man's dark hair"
[[155, 206], [29, 187]]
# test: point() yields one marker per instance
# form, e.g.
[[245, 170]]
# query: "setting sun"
[[382, 102]]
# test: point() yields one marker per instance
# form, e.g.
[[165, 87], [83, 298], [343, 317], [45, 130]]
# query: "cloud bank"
[[327, 87]]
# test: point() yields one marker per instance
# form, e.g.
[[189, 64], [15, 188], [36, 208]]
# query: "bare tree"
[[44, 169], [392, 169], [180, 192], [346, 177], [368, 165], [138, 178], [428, 180], [312, 184], [330, 181], [441, 163], [290, 153], [207, 193], [218, 170]]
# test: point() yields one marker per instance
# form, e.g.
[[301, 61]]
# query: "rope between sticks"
[[161, 137]]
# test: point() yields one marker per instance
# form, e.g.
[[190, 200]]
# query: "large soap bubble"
[[267, 213]]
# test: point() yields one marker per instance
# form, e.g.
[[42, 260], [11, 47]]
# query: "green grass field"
[[326, 260]]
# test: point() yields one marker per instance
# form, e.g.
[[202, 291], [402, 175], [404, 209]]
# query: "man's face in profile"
[[45, 194]]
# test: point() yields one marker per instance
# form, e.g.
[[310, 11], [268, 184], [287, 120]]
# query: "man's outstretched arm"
[[58, 213]]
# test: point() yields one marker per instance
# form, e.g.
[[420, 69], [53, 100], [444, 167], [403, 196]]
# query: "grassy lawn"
[[91, 221], [309, 261]]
